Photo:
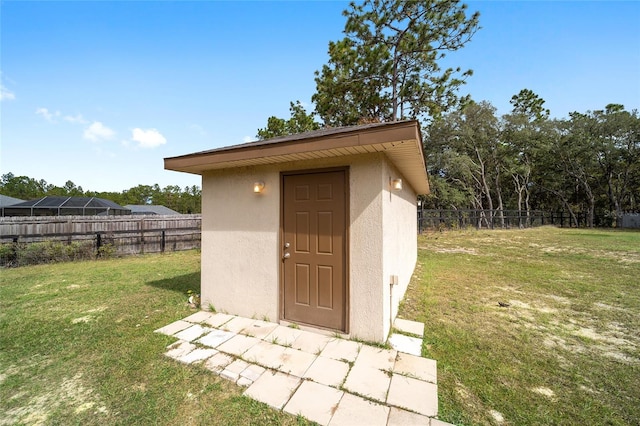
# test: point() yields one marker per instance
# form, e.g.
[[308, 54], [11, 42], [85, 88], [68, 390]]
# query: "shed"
[[317, 229]]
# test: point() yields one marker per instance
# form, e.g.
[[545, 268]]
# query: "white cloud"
[[6, 94], [149, 138], [48, 115], [97, 132], [75, 119], [248, 139], [52, 117], [197, 129]]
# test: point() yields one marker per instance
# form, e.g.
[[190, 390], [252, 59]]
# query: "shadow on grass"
[[181, 283]]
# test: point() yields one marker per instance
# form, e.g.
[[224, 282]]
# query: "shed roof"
[[400, 141], [150, 209], [5, 200]]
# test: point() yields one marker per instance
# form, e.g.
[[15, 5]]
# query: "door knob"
[[286, 255]]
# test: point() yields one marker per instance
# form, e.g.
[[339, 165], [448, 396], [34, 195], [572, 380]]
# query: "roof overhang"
[[400, 141]]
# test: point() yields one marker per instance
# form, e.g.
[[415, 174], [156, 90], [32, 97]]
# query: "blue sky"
[[100, 92]]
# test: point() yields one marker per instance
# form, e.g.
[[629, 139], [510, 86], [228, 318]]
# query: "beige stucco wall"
[[241, 241], [400, 247]]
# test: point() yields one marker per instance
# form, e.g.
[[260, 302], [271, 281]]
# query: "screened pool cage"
[[65, 206]]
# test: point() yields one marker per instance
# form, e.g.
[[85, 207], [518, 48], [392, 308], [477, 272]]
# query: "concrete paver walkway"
[[329, 380]]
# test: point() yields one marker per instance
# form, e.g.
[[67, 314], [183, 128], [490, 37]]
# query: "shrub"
[[22, 254]]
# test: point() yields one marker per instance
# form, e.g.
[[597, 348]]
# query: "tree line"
[[387, 68], [587, 164], [183, 200]]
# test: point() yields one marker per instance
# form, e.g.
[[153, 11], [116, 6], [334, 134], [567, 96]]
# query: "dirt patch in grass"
[[573, 331], [462, 250], [497, 416], [78, 347], [537, 325], [32, 408], [545, 392]]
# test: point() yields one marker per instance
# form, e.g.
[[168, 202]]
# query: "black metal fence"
[[495, 219]]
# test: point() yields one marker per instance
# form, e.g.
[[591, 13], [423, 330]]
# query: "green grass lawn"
[[77, 347], [566, 351], [77, 343]]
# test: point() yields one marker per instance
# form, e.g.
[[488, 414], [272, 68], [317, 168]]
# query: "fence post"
[[13, 257], [142, 235], [162, 242], [98, 244]]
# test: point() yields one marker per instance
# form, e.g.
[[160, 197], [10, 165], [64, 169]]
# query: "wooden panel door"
[[313, 252]]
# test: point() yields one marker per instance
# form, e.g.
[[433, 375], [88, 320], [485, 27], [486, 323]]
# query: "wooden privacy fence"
[[119, 234]]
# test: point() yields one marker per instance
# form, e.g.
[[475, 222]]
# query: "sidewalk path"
[[328, 380]]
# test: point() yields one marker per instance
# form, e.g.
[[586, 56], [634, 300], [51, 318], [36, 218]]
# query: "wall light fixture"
[[258, 187], [396, 184]]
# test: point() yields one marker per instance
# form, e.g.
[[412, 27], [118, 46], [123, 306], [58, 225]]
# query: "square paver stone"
[[382, 359], [173, 328], [197, 355], [312, 343], [295, 362], [179, 349], [400, 417], [215, 338], [218, 319], [327, 371], [274, 389], [238, 344], [260, 329], [417, 367], [218, 362], [282, 335], [198, 317], [252, 372], [266, 354], [411, 327], [233, 370], [368, 381], [244, 382], [406, 344], [314, 401], [192, 333], [413, 394], [237, 324], [356, 411], [341, 349]]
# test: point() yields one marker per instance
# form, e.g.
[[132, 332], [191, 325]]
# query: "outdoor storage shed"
[[316, 229]]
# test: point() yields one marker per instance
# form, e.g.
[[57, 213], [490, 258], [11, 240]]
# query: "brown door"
[[314, 230]]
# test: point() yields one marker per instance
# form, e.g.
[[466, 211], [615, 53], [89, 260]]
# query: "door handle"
[[286, 256]]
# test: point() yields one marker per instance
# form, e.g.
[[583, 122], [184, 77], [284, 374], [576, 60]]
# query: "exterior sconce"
[[258, 187], [396, 184]]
